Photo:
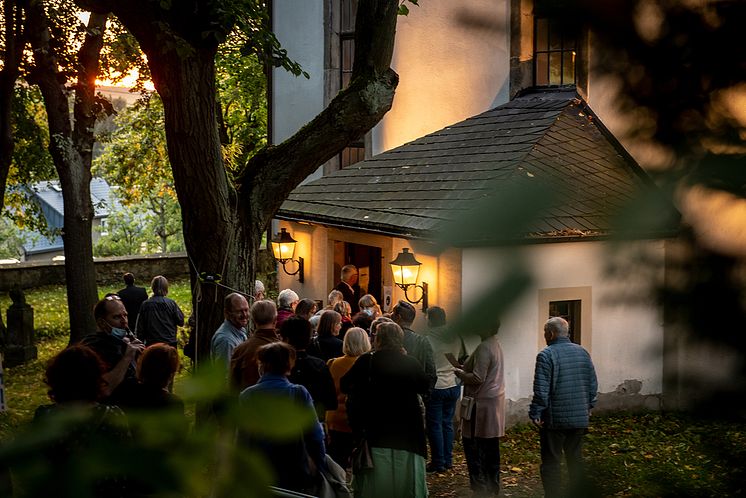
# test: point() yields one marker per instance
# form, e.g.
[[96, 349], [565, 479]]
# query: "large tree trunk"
[[13, 48], [217, 241], [71, 150], [8, 76]]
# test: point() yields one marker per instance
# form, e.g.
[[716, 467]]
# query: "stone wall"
[[109, 271]]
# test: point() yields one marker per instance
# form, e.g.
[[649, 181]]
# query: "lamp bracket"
[[423, 296], [298, 271]]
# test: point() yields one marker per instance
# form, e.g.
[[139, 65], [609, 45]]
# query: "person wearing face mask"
[[117, 347]]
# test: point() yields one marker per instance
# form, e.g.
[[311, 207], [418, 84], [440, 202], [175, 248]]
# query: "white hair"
[[558, 325], [286, 298], [258, 286]]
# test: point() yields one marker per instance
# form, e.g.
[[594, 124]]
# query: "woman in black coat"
[[383, 389]]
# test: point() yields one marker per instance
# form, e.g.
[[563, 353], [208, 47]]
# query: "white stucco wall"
[[299, 26], [626, 336], [452, 59], [453, 62]]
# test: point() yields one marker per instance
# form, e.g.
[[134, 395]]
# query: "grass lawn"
[[630, 455]]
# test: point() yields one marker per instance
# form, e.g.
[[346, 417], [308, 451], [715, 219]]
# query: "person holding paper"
[[483, 424]]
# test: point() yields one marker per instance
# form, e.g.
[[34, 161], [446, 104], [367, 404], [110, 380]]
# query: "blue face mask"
[[118, 333]]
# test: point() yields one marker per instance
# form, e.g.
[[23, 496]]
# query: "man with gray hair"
[[232, 332], [244, 366], [565, 390], [287, 300], [348, 286]]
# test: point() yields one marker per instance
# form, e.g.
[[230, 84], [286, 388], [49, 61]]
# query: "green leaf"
[[403, 10]]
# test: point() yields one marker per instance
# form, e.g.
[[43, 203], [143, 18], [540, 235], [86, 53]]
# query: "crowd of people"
[[380, 393]]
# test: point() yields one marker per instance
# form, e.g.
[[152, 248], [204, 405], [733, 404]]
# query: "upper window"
[[555, 50], [348, 10]]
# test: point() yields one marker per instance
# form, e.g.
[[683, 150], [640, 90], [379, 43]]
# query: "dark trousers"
[[483, 461], [554, 442]]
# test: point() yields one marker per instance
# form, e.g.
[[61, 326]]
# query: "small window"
[[555, 50], [574, 304], [570, 311]]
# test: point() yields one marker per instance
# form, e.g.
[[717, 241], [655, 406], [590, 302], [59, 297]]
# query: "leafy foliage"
[[404, 9], [11, 241], [136, 160], [242, 97]]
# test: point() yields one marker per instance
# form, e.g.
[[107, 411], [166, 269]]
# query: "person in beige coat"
[[483, 413]]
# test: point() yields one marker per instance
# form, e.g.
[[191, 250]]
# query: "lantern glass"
[[283, 246], [405, 269], [405, 275]]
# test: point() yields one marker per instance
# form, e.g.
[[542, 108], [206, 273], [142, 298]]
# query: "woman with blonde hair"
[[384, 409], [341, 441], [344, 309]]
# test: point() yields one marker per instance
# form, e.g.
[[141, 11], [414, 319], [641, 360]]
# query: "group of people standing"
[[378, 391], [106, 380], [375, 385]]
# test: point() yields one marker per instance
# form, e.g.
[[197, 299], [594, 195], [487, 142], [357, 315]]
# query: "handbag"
[[333, 481], [362, 459], [467, 407]]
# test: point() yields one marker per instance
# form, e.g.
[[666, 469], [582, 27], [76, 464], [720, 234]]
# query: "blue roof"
[[49, 195]]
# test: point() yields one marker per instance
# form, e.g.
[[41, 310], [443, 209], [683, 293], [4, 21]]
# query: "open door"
[[368, 262]]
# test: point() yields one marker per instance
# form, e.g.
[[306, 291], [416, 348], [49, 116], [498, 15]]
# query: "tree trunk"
[[12, 33], [217, 241], [71, 150]]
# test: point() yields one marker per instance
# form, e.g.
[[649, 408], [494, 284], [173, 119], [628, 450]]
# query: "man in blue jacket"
[[565, 390]]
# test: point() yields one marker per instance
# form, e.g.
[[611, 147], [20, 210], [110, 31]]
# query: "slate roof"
[[416, 189], [49, 195]]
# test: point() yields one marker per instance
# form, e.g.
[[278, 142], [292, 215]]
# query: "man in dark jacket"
[[565, 390], [118, 349], [160, 316], [132, 297], [348, 286]]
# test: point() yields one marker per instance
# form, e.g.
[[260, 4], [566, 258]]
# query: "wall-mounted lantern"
[[283, 248], [406, 269]]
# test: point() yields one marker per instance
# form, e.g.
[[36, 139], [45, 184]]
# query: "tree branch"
[[272, 174]]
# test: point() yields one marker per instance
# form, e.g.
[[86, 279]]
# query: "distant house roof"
[[49, 196], [416, 189]]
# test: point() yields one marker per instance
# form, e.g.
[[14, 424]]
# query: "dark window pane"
[[555, 68], [352, 155], [542, 64], [555, 36], [348, 54], [568, 41], [568, 68], [348, 8], [348, 57], [542, 26], [570, 311]]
